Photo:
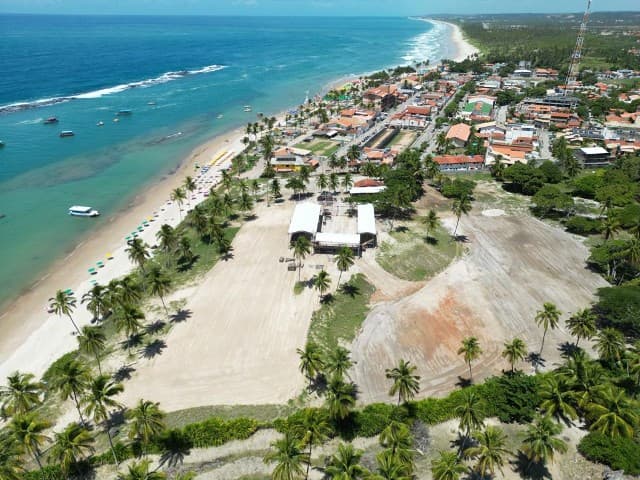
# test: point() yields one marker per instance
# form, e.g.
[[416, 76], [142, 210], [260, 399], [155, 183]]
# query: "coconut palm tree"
[[147, 423], [159, 284], [138, 252], [70, 445], [344, 261], [448, 466], [129, 319], [190, 186], [322, 182], [541, 441], [347, 182], [353, 152], [613, 413], [405, 383], [322, 282], [20, 395], [514, 351], [64, 304], [127, 291], [471, 350], [184, 251], [167, 238], [397, 439], [274, 189], [340, 398], [96, 300], [610, 345], [92, 341], [28, 431], [140, 471], [11, 466], [389, 467], [334, 182], [461, 206], [582, 324], [71, 380], [311, 363], [301, 248], [490, 451], [558, 399], [179, 196], [313, 428], [338, 362], [98, 401], [431, 221], [470, 413], [246, 202], [610, 226], [345, 464], [288, 455], [547, 318]]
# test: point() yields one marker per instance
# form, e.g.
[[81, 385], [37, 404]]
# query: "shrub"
[[434, 410], [511, 397], [49, 472], [374, 418], [587, 185], [551, 172], [123, 452], [618, 453], [214, 431], [629, 215], [619, 307], [583, 225], [458, 188]]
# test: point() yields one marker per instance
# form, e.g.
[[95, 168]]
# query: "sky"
[[306, 7]]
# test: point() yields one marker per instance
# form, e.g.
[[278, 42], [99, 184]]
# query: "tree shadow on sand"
[[536, 360], [349, 289], [153, 349], [461, 238], [529, 470], [181, 315], [568, 349], [463, 382], [155, 327], [123, 373]]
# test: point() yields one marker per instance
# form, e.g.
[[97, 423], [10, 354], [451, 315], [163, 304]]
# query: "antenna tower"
[[574, 67]]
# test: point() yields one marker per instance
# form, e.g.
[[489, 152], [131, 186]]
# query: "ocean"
[[176, 75]]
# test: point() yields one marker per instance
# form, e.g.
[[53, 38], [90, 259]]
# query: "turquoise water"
[[85, 69]]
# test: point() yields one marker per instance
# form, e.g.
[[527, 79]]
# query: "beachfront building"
[[289, 159], [459, 163], [459, 135], [383, 97]]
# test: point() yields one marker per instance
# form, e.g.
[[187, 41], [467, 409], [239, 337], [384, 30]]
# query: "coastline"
[[464, 48], [32, 338]]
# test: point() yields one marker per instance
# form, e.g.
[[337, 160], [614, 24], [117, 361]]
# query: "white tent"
[[305, 219], [366, 219], [325, 239]]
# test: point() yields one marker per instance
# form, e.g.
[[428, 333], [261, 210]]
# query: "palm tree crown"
[[514, 351], [344, 261], [582, 325], [20, 395], [405, 383], [541, 441], [64, 304], [547, 318], [288, 456], [490, 451], [471, 350], [70, 445]]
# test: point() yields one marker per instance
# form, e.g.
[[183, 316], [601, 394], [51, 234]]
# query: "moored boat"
[[51, 120], [67, 133], [247, 108], [82, 211], [1, 144], [123, 113], [100, 123]]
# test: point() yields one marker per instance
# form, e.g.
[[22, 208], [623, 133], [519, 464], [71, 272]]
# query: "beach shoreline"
[[32, 338]]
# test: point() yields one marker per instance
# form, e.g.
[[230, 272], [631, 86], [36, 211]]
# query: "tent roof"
[[305, 218], [366, 219], [337, 239]]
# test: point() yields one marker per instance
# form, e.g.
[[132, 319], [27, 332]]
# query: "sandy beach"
[[463, 48]]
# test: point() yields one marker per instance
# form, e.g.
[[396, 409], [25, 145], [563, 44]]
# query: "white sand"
[[463, 48]]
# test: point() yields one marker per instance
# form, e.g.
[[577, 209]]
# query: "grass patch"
[[320, 147], [412, 257], [262, 413], [341, 315], [299, 287]]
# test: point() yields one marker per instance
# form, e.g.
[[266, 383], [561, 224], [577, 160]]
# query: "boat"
[[67, 133], [100, 123], [247, 108], [151, 103], [51, 120], [123, 113], [81, 211], [219, 116], [1, 144]]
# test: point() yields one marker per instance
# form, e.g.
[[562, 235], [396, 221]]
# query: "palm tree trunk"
[[74, 324], [309, 462], [470, 375], [95, 352], [577, 340], [165, 307], [113, 450], [398, 397], [75, 399], [37, 458], [542, 346], [455, 230], [339, 277]]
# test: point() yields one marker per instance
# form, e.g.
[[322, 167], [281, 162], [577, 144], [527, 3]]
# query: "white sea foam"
[[426, 46], [164, 78]]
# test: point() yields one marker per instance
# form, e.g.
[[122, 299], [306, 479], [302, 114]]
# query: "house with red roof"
[[459, 135], [459, 163]]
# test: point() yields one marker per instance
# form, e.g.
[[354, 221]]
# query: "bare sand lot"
[[515, 264], [238, 345]]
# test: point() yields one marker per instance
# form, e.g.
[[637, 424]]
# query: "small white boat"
[[124, 113], [66, 133], [81, 211], [219, 116], [151, 103], [247, 108], [100, 123]]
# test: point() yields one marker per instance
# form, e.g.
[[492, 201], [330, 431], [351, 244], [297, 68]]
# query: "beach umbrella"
[[92, 271], [109, 256], [68, 291], [100, 264]]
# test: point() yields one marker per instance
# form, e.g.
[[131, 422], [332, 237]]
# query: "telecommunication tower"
[[574, 66]]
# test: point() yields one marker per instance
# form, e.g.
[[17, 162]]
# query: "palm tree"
[[96, 301], [448, 466], [246, 202], [405, 383], [322, 182], [548, 317], [514, 351], [390, 468], [541, 441], [128, 319], [147, 423], [99, 400], [11, 466], [397, 439], [159, 284], [190, 186], [64, 304], [92, 340], [178, 196], [334, 181], [490, 451], [313, 427], [140, 471], [613, 413], [71, 380], [288, 456], [347, 182], [322, 282], [301, 248], [338, 362], [460, 206], [311, 363], [471, 350], [345, 464], [138, 252], [610, 226], [28, 431], [184, 251], [340, 398], [167, 238], [431, 221], [582, 325], [470, 413], [557, 399], [344, 261], [274, 188], [610, 345], [353, 152], [128, 291], [20, 395], [73, 443]]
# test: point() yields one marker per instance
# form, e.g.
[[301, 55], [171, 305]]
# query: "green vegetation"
[[324, 148], [618, 453]]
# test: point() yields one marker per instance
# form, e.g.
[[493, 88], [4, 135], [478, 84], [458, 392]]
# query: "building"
[[459, 134], [593, 156], [479, 108], [291, 159], [459, 163], [412, 117], [367, 186]]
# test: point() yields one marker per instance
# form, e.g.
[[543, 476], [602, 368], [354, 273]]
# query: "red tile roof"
[[458, 159]]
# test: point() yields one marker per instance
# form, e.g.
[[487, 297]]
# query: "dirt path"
[[515, 263]]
